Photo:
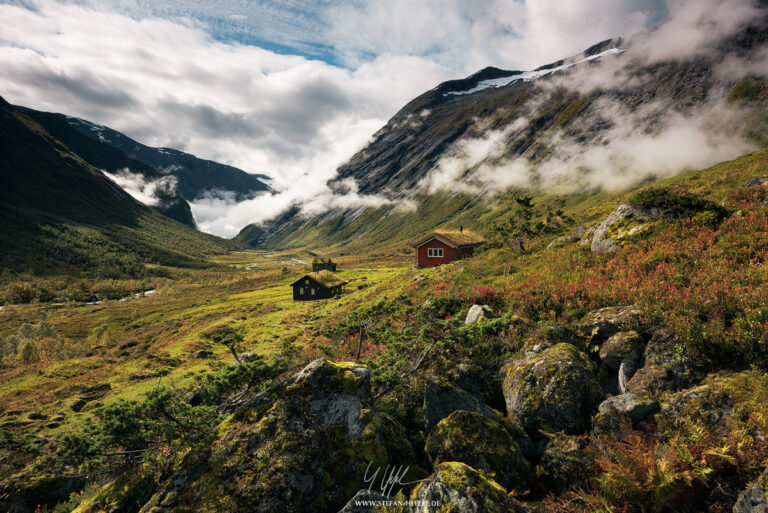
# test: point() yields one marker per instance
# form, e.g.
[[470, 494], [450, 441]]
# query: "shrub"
[[28, 352], [19, 292]]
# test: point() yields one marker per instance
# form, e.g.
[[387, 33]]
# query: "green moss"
[[484, 444]]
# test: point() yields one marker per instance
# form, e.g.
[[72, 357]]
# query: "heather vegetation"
[[195, 387]]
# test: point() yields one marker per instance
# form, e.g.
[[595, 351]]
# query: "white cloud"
[[170, 73], [149, 192]]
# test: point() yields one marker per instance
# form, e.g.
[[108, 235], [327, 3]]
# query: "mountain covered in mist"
[[165, 178], [62, 214], [621, 113]]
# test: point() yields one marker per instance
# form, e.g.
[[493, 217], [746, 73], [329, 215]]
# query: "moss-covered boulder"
[[303, 446], [601, 324], [624, 345], [565, 464], [546, 336], [755, 498], [442, 398], [653, 380], [623, 223], [555, 390], [482, 383], [457, 488], [481, 443], [24, 492]]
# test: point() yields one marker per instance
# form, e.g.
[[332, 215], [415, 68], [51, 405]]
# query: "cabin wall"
[[303, 292], [424, 260]]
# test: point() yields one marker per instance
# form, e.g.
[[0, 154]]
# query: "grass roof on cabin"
[[327, 279], [460, 238]]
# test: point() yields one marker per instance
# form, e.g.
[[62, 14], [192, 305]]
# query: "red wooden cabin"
[[444, 246]]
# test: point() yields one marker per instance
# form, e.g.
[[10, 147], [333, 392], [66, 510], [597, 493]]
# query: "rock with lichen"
[[459, 488], [605, 322], [303, 446], [477, 313], [755, 498], [442, 398], [482, 443], [565, 464], [624, 345], [546, 336], [623, 223], [555, 390]]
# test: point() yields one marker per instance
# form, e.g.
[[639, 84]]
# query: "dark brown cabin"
[[317, 285], [323, 264], [444, 246]]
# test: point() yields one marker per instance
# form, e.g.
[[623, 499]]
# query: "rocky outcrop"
[[553, 390], [441, 399], [461, 489], [303, 446], [482, 443], [755, 498]]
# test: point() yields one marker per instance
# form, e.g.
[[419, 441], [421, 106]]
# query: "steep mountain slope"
[[104, 156], [195, 176], [61, 214], [620, 113]]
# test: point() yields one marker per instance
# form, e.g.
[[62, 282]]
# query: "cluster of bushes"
[[37, 342], [62, 290], [161, 427]]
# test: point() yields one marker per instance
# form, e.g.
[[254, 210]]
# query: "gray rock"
[[755, 182], [601, 324], [365, 501], [652, 379], [565, 464], [547, 336], [624, 345], [483, 444], [637, 409], [477, 312], [602, 241], [464, 490], [442, 399], [755, 498], [555, 390]]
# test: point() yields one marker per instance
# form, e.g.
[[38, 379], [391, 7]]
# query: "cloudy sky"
[[287, 88]]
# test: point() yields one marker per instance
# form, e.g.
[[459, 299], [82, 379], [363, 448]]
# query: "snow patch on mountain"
[[527, 76]]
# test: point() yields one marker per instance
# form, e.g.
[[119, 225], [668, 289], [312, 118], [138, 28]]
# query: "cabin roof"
[[453, 238], [325, 278]]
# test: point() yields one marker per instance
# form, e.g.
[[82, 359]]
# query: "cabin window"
[[435, 252], [301, 290], [306, 281], [313, 291]]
